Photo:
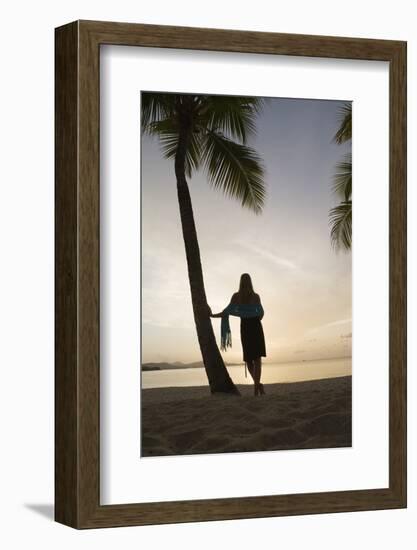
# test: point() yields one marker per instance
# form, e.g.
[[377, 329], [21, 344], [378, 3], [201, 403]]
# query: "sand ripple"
[[301, 415]]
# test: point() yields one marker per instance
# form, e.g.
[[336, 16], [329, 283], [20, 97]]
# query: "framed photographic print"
[[230, 274]]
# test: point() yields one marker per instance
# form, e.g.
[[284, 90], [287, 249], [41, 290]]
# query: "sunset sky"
[[305, 286]]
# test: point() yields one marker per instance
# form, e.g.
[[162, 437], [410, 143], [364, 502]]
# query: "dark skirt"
[[253, 340]]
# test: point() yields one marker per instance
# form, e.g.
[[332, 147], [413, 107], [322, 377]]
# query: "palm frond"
[[234, 116], [215, 122], [155, 107], [167, 131], [340, 219], [342, 179], [344, 132], [235, 169]]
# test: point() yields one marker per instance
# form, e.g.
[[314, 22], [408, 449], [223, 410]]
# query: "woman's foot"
[[259, 389]]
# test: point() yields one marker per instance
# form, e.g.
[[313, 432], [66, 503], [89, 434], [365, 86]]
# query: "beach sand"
[[301, 415]]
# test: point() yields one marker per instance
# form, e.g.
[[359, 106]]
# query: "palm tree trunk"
[[218, 377]]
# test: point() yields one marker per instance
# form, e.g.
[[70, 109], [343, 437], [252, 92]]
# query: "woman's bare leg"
[[259, 388], [257, 370], [250, 366], [256, 376]]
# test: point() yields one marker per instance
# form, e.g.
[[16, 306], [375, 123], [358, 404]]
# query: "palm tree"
[[208, 132], [340, 217]]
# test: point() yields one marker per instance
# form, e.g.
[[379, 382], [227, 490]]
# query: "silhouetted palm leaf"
[[342, 180], [235, 169], [234, 116], [215, 122], [340, 219], [344, 132], [155, 107], [167, 131]]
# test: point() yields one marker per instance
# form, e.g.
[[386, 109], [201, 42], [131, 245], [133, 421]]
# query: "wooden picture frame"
[[77, 374]]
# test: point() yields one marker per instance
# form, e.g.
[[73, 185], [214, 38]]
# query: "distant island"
[[177, 365]]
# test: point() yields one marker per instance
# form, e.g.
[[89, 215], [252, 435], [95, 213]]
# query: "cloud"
[[339, 322], [271, 256], [329, 325]]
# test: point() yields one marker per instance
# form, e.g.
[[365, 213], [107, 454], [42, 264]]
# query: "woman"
[[246, 304]]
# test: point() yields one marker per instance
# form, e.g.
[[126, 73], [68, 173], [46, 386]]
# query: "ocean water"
[[272, 373]]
